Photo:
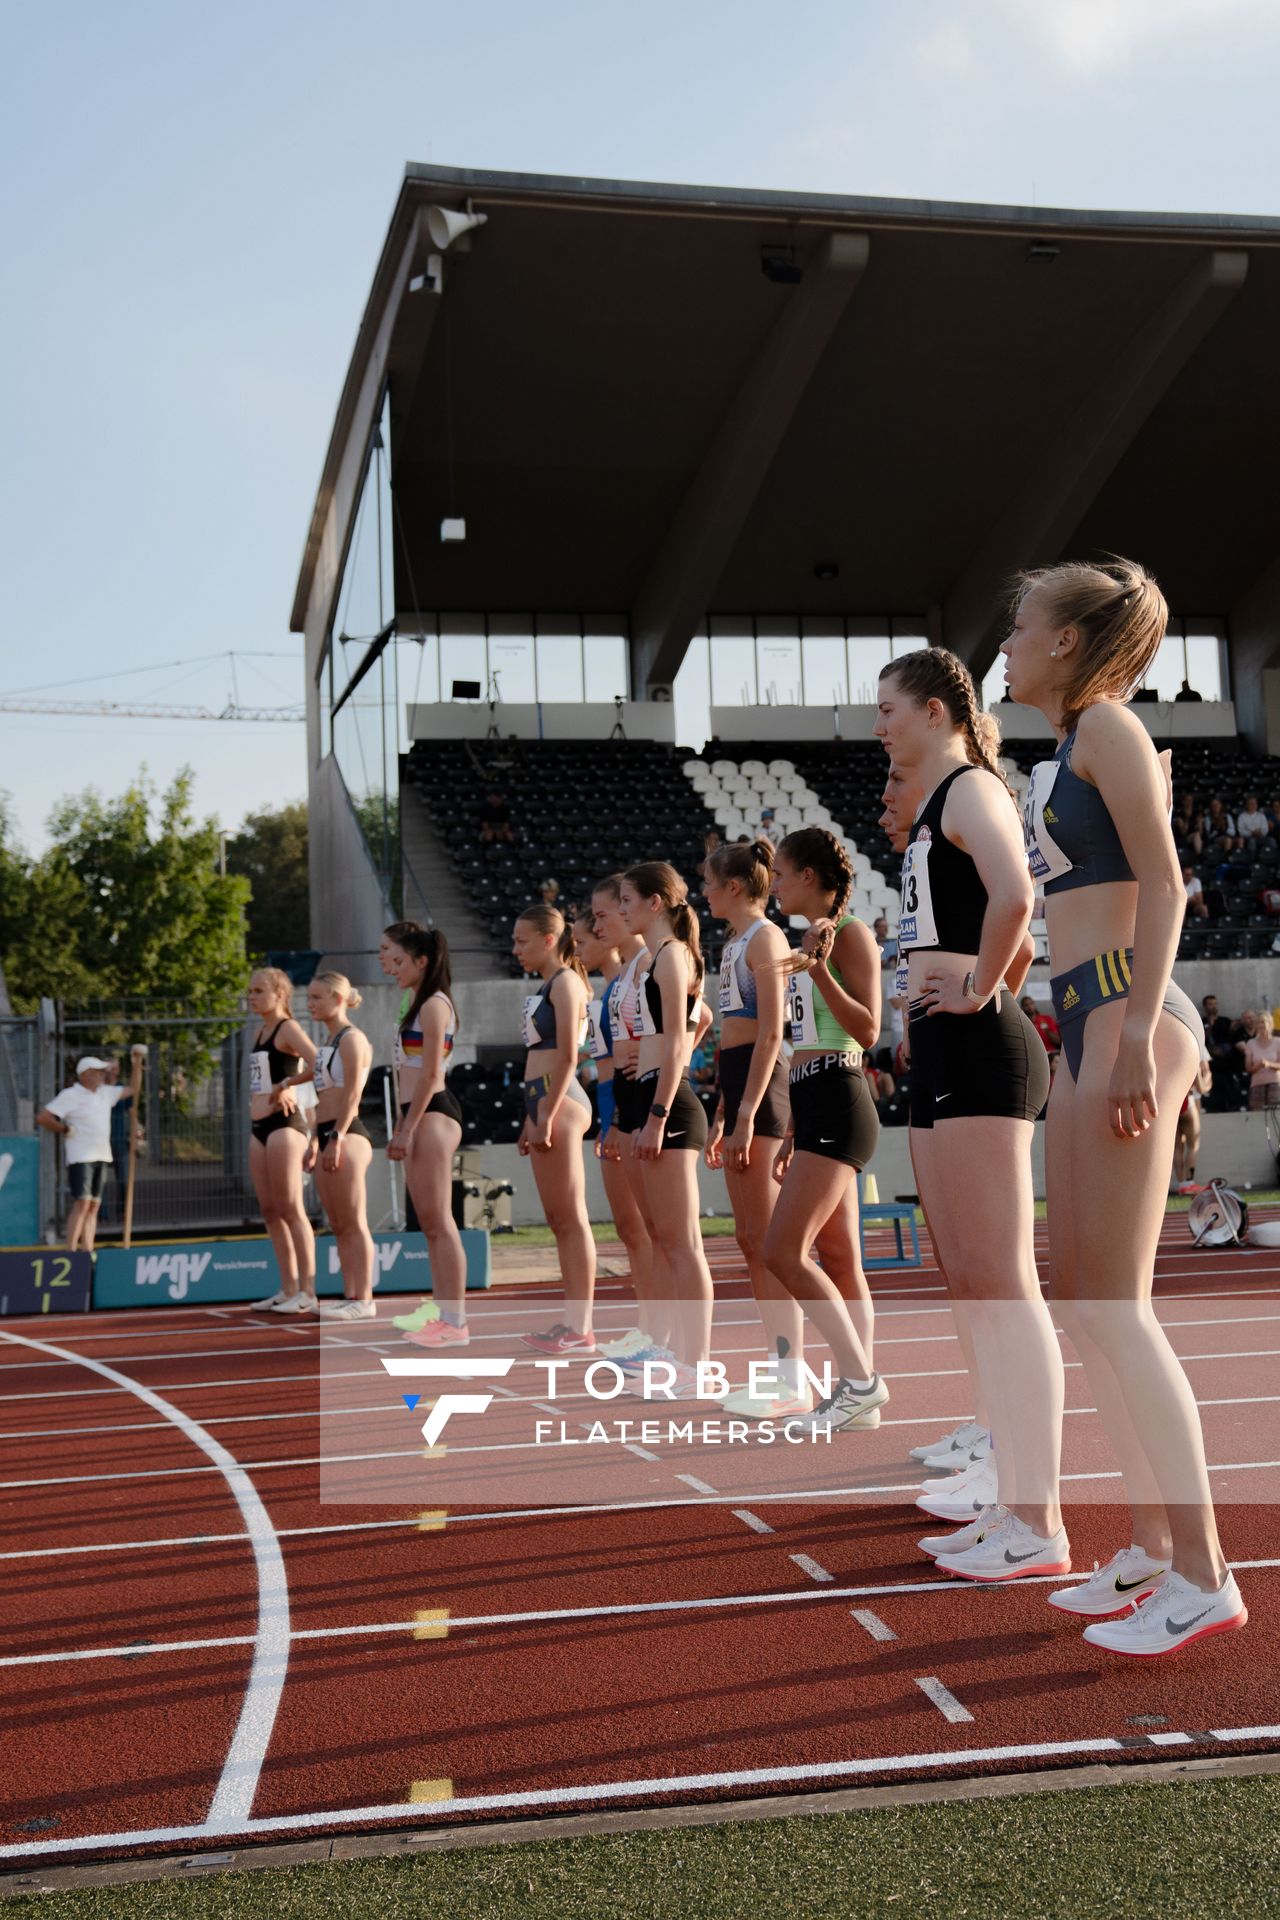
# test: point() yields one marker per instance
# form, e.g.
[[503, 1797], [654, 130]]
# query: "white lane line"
[[421, 1814], [543, 1406], [944, 1700], [1169, 1739], [699, 1486], [639, 1452], [752, 1520], [874, 1625], [811, 1567], [232, 1802], [795, 1596]]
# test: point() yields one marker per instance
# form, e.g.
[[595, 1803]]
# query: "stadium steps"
[[433, 894]]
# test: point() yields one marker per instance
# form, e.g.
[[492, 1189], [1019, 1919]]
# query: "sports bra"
[[1071, 837], [624, 993], [268, 1065], [539, 1023], [651, 1007], [406, 1051], [812, 1026], [600, 1027], [943, 898], [328, 1069], [738, 999]]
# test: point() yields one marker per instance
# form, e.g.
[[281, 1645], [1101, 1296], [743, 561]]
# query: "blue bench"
[[901, 1214]]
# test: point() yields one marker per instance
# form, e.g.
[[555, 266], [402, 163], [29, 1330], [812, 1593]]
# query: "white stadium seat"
[[721, 767], [782, 766], [752, 767], [691, 767]]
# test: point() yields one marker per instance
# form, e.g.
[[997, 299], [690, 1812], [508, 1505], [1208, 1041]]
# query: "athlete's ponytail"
[[1120, 615], [544, 918], [751, 864], [659, 879]]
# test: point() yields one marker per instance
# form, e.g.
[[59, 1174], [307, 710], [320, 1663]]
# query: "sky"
[[192, 202]]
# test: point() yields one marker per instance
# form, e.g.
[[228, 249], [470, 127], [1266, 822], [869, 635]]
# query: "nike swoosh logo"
[[1127, 1586], [938, 1098], [824, 1142], [677, 1136], [1015, 1559], [1181, 1626]]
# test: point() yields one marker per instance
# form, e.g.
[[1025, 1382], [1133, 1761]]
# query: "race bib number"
[[259, 1074], [917, 926], [597, 1044], [644, 1019], [319, 1074], [730, 991], [804, 1028], [1045, 857], [901, 977], [532, 1037]]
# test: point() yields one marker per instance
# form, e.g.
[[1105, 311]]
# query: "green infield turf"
[[1196, 1850]]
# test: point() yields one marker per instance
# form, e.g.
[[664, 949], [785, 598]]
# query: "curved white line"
[[232, 1803]]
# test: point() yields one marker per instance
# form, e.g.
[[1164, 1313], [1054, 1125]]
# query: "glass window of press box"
[[1192, 661]]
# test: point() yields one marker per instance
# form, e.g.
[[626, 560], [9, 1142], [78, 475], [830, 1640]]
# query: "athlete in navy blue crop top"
[[1082, 638]]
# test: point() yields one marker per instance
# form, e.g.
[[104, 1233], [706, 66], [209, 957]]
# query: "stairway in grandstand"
[[434, 895]]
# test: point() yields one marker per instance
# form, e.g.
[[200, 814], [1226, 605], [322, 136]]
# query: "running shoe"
[[440, 1333], [961, 1537], [966, 1495], [954, 1448], [1175, 1615], [623, 1344], [284, 1303], [685, 1385], [421, 1316], [1009, 1550], [633, 1362], [959, 1460], [782, 1404], [1126, 1580], [347, 1310], [944, 1482], [560, 1339], [847, 1406]]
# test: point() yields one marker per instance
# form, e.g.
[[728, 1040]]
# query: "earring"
[[1053, 653]]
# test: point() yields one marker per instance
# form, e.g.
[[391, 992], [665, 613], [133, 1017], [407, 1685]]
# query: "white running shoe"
[[966, 1494], [281, 1303], [961, 1537], [1128, 1577], [1175, 1615], [783, 1404], [959, 1462], [955, 1449], [848, 1406], [1009, 1551], [944, 1482], [624, 1343], [348, 1310]]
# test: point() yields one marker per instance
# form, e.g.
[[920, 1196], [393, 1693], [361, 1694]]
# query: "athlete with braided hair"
[[979, 1077], [833, 1004]]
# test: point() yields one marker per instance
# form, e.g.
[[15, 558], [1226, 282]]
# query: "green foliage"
[[126, 902], [269, 850]]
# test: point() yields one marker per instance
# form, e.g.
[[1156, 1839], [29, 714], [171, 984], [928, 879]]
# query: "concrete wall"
[[348, 906], [743, 726], [543, 720]]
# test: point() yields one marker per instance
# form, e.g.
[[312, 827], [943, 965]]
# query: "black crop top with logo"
[[652, 1024], [269, 1064], [943, 898]]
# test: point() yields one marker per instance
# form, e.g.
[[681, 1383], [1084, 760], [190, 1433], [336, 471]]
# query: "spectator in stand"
[[550, 892], [885, 941], [1252, 824], [1197, 906], [769, 826], [1045, 1025], [711, 840], [1273, 817], [1221, 1048], [81, 1114], [495, 819], [1186, 1141], [1219, 828], [1262, 1063], [1187, 692], [881, 1085], [1187, 837]]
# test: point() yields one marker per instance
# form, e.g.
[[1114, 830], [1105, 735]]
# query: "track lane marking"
[[943, 1699], [624, 1790], [232, 1801]]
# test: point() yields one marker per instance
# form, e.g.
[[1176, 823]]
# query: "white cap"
[[91, 1064]]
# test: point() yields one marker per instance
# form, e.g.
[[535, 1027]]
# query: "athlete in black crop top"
[[979, 1076], [280, 1061], [1082, 637]]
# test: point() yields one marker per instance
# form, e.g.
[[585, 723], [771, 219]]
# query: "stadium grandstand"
[[633, 489]]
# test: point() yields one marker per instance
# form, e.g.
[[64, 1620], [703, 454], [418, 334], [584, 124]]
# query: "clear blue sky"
[[193, 200]]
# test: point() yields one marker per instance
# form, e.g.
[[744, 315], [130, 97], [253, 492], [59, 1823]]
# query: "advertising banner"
[[191, 1272], [19, 1190]]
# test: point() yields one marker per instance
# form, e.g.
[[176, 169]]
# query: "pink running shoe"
[[438, 1333], [560, 1339]]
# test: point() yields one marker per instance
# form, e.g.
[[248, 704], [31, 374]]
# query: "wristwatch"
[[658, 1111], [970, 991]]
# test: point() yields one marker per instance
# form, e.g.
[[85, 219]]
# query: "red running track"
[[196, 1648]]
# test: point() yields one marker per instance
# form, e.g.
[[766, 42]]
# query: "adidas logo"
[[1070, 999], [1050, 817]]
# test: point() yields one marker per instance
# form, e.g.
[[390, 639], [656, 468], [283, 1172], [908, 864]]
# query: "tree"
[[269, 850], [127, 902]]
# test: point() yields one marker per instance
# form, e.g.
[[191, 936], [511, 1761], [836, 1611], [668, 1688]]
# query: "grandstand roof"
[[644, 423]]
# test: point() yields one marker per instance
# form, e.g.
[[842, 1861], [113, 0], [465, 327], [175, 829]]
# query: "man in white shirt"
[[1251, 824], [81, 1115]]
